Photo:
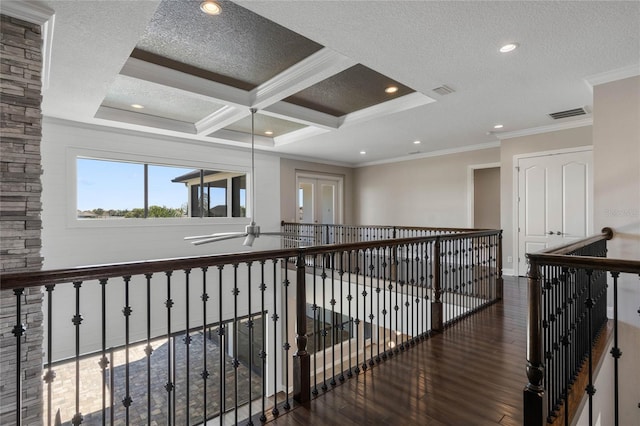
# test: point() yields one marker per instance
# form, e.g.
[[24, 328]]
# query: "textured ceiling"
[[264, 123], [422, 44], [351, 90], [237, 43]]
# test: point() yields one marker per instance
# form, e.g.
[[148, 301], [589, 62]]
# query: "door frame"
[[516, 195], [339, 211], [471, 188]]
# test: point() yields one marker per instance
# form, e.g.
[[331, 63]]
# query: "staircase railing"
[[180, 341], [567, 288]]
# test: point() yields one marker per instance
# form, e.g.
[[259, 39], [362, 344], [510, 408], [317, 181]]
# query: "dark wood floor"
[[472, 374]]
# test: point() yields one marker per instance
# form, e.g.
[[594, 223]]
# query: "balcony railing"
[[181, 341], [567, 289]]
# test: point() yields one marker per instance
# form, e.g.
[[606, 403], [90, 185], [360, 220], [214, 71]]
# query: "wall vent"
[[569, 113], [443, 90]]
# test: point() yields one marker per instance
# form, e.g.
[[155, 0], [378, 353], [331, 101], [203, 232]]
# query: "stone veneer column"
[[20, 207]]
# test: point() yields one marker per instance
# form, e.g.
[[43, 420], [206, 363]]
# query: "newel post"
[[535, 405], [301, 359], [436, 303]]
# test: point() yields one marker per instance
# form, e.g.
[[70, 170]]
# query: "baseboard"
[[507, 272]]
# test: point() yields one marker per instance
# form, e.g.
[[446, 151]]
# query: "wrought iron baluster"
[[286, 346], [236, 361], [126, 311], [616, 353], [187, 344], [104, 362], [148, 349], [349, 298], [357, 320], [274, 318], [222, 388], [316, 328], [251, 337], [77, 321], [378, 272], [205, 372], [169, 384], [323, 275], [50, 375], [341, 274], [333, 321], [591, 390], [263, 351], [18, 331]]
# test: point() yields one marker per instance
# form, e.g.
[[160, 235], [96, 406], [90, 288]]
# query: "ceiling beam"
[[114, 114]]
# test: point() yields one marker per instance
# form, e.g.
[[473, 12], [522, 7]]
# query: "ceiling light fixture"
[[363, 152], [416, 142], [391, 89], [210, 7], [137, 106], [509, 47], [498, 126], [268, 133]]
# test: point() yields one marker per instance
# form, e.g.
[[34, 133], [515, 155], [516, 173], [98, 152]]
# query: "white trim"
[[515, 190], [507, 272], [297, 135], [317, 176], [36, 14], [311, 70], [302, 115], [220, 118], [612, 75], [546, 129], [132, 117], [438, 153], [403, 103], [471, 188]]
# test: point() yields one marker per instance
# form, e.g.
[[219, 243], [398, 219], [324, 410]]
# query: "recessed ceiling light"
[[137, 106], [416, 142], [498, 126], [363, 152], [391, 89], [268, 132], [210, 7], [509, 47]]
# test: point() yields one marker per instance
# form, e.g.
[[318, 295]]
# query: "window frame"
[[73, 154]]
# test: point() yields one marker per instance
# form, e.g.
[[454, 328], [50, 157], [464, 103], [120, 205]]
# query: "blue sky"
[[120, 186]]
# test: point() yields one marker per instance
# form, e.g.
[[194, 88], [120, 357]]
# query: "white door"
[[318, 201], [555, 201]]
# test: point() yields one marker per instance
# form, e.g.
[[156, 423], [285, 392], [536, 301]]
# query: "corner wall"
[[616, 145], [20, 224]]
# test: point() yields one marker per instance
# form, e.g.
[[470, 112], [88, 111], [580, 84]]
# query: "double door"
[[555, 201]]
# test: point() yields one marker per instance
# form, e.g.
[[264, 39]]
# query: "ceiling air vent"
[[569, 113], [443, 90]]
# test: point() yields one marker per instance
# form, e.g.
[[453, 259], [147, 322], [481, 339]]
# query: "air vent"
[[568, 113], [443, 90]]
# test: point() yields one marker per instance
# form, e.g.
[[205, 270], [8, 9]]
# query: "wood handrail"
[[411, 228], [605, 234], [15, 280], [588, 262]]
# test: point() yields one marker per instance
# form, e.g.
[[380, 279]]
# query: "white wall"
[[429, 191], [68, 242], [616, 146]]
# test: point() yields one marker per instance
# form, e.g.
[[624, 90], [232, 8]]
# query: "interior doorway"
[[319, 199], [486, 198]]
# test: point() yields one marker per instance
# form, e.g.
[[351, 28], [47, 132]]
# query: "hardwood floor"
[[472, 374]]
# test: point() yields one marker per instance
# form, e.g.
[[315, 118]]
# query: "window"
[[108, 189]]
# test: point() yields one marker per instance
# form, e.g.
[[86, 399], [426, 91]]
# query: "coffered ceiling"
[[317, 71]]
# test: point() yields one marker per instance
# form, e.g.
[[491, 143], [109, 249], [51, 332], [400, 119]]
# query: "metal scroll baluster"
[[104, 362], [205, 371], [50, 375], [126, 311], [566, 341], [236, 362], [333, 320], [286, 346], [169, 384], [250, 327], [349, 298], [384, 312], [111, 390], [148, 349], [371, 315], [357, 320], [263, 351], [221, 350], [18, 331], [274, 318], [396, 307], [316, 328], [341, 274], [323, 275], [591, 390], [616, 353], [77, 321], [364, 309], [378, 272], [187, 343]]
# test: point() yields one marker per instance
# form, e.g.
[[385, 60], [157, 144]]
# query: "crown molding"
[[438, 153], [545, 129], [311, 70], [412, 100], [131, 117], [38, 14], [612, 75], [221, 118]]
